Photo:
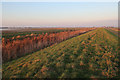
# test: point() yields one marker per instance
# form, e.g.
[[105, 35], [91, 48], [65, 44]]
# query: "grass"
[[114, 31], [90, 55]]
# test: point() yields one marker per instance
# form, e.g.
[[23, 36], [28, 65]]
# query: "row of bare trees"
[[17, 48]]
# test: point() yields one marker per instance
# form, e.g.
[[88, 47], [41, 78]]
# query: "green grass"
[[90, 55]]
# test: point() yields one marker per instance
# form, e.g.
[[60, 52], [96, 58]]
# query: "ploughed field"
[[90, 55]]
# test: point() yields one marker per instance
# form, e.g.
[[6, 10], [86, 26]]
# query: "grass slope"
[[91, 55], [115, 33]]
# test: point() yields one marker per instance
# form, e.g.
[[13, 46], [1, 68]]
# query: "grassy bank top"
[[90, 55]]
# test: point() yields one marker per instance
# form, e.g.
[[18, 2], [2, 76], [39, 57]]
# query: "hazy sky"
[[60, 14]]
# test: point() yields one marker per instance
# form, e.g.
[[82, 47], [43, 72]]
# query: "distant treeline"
[[12, 49], [3, 27]]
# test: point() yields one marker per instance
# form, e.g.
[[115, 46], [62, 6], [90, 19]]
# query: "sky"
[[60, 0], [59, 14]]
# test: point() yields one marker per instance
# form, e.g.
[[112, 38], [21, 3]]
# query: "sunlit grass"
[[90, 55]]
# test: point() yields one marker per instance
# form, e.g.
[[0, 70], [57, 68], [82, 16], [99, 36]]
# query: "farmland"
[[90, 55], [23, 32], [115, 31], [21, 45]]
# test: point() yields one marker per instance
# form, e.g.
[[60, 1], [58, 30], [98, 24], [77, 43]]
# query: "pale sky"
[[59, 14]]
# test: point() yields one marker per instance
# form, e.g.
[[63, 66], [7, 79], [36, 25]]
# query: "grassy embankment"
[[90, 55]]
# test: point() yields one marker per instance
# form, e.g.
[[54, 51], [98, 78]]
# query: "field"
[[116, 31], [16, 47], [23, 32], [90, 55]]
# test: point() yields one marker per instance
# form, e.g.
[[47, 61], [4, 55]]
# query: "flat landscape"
[[93, 54], [28, 31], [60, 39]]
